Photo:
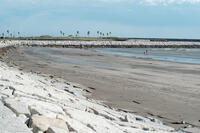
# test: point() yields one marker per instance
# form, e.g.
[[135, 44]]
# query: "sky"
[[124, 18]]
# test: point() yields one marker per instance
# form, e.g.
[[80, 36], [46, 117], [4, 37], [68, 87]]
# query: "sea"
[[180, 55]]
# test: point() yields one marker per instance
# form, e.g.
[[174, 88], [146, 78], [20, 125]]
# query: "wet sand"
[[166, 90]]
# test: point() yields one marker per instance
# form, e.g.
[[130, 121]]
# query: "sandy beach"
[[100, 66], [35, 102], [164, 90]]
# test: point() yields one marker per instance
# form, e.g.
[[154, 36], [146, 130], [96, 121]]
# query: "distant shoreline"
[[118, 46], [102, 39]]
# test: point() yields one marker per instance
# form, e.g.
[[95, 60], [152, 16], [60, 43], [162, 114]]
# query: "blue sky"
[[124, 18]]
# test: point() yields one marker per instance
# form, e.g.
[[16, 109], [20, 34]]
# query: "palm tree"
[[18, 34], [3, 35], [77, 33], [110, 33], [98, 33], [88, 33], [8, 32], [107, 34], [61, 32]]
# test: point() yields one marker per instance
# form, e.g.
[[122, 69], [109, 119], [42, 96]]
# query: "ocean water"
[[181, 55]]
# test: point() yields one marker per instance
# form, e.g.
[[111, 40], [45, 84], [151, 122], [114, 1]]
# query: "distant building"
[[138, 40], [46, 36], [70, 36]]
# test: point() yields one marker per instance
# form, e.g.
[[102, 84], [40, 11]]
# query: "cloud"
[[167, 2], [68, 2], [156, 2], [153, 2]]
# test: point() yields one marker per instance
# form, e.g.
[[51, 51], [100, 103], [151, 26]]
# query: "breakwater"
[[106, 44]]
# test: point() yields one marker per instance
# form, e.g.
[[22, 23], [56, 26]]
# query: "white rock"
[[56, 130], [23, 118], [42, 123], [42, 111], [5, 112], [17, 107], [9, 123], [6, 92], [76, 126]]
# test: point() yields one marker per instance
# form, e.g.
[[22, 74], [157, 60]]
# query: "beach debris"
[[136, 102], [88, 125], [91, 110], [87, 91], [6, 80], [145, 129], [138, 119], [179, 122], [92, 88], [125, 119], [51, 76], [69, 91], [12, 88]]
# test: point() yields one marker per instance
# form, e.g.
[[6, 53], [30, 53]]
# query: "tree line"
[[9, 34], [99, 34]]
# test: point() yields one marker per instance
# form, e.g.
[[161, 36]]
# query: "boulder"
[[5, 113], [42, 123], [17, 106], [6, 92], [42, 111], [9, 123], [56, 130]]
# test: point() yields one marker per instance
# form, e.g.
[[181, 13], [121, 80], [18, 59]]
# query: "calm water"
[[181, 55]]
